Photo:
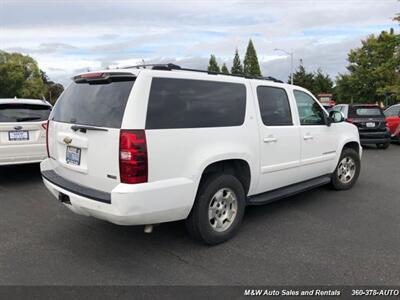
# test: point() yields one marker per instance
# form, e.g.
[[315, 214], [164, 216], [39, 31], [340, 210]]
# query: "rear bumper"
[[22, 154], [149, 203], [375, 137]]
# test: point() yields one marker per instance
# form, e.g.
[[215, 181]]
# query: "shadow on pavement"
[[19, 173]]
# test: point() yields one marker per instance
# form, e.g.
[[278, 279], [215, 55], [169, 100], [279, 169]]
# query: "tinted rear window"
[[365, 111], [24, 112], [186, 103], [101, 105]]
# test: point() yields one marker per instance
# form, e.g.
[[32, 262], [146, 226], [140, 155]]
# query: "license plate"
[[73, 156], [18, 135], [370, 124]]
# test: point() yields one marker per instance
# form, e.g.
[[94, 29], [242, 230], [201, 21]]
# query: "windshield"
[[16, 112], [95, 104]]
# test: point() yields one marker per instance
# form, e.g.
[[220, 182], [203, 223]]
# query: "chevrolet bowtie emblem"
[[67, 140]]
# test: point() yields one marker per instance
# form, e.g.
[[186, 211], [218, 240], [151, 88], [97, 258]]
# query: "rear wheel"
[[347, 170], [218, 209], [383, 146]]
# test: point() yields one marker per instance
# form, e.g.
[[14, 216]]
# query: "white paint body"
[[178, 157], [23, 152]]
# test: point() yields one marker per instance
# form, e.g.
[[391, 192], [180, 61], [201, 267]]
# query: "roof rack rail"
[[170, 66], [272, 79]]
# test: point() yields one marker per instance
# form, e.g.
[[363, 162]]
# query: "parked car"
[[393, 121], [23, 130], [370, 121], [144, 146]]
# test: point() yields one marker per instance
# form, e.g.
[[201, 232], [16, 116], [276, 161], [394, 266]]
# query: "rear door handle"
[[308, 137], [270, 139]]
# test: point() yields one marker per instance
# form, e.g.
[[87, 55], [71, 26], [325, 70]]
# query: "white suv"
[[23, 130], [144, 146]]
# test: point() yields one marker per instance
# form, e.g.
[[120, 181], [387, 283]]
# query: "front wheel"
[[218, 209], [347, 170]]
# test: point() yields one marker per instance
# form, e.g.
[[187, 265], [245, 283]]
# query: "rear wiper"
[[84, 128], [28, 119]]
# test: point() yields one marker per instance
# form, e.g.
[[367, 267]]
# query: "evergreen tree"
[[303, 78], [251, 66], [224, 69], [237, 68], [322, 83], [213, 65]]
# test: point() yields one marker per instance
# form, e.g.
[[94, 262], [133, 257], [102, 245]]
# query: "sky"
[[67, 37]]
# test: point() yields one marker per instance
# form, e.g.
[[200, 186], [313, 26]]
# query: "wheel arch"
[[239, 167], [350, 143]]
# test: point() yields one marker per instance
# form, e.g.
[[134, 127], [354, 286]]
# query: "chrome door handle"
[[270, 139], [308, 137]]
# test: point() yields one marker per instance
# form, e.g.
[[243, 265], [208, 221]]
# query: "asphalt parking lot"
[[320, 237]]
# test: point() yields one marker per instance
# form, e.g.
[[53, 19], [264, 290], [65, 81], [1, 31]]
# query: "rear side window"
[[96, 104], [186, 103], [274, 106], [24, 112], [365, 111]]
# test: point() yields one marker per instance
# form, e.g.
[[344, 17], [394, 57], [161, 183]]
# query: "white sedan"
[[23, 125]]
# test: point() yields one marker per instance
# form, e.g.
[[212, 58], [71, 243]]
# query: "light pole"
[[291, 62]]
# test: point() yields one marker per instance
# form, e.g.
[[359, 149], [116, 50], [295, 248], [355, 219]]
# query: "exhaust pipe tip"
[[148, 228]]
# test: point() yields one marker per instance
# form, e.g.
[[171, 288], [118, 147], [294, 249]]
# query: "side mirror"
[[328, 120], [336, 116]]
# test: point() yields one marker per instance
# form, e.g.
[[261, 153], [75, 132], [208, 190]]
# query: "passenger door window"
[[274, 106], [310, 112]]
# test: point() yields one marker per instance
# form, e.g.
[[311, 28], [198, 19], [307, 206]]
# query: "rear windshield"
[[361, 111], [24, 112], [95, 104]]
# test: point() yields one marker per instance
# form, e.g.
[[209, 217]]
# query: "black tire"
[[336, 183], [198, 223], [383, 146]]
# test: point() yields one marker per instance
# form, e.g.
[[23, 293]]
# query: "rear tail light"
[[92, 75], [350, 120], [133, 165], [46, 126]]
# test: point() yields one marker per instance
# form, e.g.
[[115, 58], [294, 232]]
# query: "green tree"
[[344, 89], [373, 71], [322, 83], [52, 90], [224, 69], [237, 68], [251, 66], [19, 76], [303, 78], [213, 65]]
